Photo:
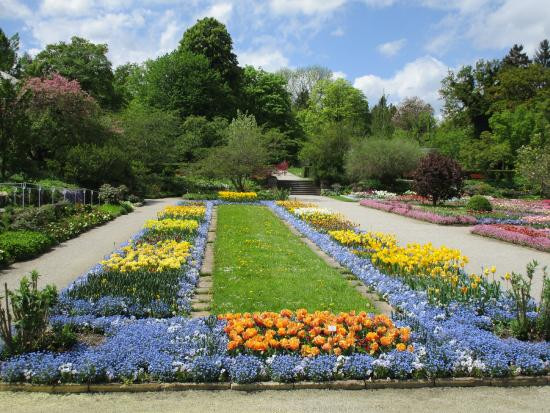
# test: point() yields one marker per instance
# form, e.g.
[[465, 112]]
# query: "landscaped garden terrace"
[[446, 323]]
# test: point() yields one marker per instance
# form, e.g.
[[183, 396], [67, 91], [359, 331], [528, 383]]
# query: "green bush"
[[36, 218], [479, 203], [112, 195], [113, 210], [23, 245], [200, 197], [24, 327], [128, 207], [382, 159], [472, 187]]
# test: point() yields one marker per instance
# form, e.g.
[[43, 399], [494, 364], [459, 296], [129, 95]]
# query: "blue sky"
[[401, 48]]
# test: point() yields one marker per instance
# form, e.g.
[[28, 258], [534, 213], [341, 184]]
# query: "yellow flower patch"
[[172, 225], [165, 255], [231, 196], [183, 212]]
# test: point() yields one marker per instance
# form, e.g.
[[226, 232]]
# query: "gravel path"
[[480, 399], [68, 260], [482, 251]]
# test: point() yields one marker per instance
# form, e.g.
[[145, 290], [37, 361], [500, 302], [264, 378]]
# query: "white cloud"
[[13, 9], [526, 22], [338, 32], [307, 7], [490, 24], [391, 48], [266, 57], [220, 11], [338, 75], [421, 77]]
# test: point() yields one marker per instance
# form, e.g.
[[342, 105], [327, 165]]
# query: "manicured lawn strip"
[[261, 266]]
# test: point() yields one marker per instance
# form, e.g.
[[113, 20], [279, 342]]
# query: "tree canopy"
[[79, 60]]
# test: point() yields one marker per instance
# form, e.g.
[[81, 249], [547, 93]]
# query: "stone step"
[[201, 298], [200, 307], [197, 314], [200, 290]]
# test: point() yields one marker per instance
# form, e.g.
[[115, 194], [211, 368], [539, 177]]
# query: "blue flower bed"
[[454, 341], [447, 342], [109, 305]]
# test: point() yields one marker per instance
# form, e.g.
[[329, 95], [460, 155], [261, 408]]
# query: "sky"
[[401, 48]]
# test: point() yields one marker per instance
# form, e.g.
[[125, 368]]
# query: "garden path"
[[480, 399], [68, 260], [481, 251]]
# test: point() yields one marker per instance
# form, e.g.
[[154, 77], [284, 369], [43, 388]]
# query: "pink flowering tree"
[[61, 115]]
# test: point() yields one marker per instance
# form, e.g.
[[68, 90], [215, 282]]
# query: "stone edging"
[[201, 301], [261, 386]]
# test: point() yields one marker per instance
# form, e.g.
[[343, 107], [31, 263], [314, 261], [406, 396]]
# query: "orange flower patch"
[[310, 334]]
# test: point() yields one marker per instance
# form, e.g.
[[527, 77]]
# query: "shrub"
[[112, 195], [200, 197], [22, 245], [383, 159], [128, 207], [113, 210], [28, 316], [480, 188], [36, 218], [438, 177], [479, 203]]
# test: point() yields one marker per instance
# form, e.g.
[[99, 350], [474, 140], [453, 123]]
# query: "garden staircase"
[[300, 187]]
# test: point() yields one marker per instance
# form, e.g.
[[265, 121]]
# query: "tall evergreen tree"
[[8, 51], [516, 57], [381, 118], [542, 55]]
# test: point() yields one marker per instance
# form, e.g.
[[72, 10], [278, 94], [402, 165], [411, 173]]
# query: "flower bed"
[[410, 211], [309, 334], [452, 341], [144, 278], [231, 196], [515, 234]]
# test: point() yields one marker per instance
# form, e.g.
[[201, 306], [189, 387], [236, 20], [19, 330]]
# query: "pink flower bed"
[[529, 237], [411, 212]]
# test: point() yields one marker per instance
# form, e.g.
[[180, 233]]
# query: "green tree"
[[8, 51], [198, 136], [14, 128], [325, 150], [79, 60], [301, 81], [414, 116], [265, 96], [128, 82], [533, 165], [383, 159], [542, 55], [516, 57], [242, 157], [335, 101], [465, 94], [184, 82], [210, 38], [381, 119], [93, 165]]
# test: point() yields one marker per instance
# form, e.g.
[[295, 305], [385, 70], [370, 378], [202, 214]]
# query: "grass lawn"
[[298, 171], [342, 198], [260, 265]]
